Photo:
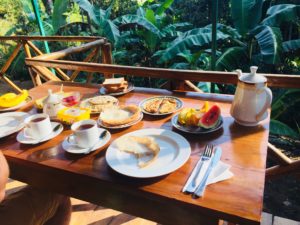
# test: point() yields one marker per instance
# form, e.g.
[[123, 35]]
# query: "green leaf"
[[194, 42], [282, 13], [180, 66], [58, 17], [89, 8], [163, 7], [269, 40], [285, 102], [292, 45], [279, 128], [143, 22], [231, 59], [150, 16], [246, 14], [111, 31]]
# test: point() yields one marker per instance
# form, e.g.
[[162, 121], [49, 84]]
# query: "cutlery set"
[[198, 179]]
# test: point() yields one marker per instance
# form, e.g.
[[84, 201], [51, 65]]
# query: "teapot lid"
[[252, 77]]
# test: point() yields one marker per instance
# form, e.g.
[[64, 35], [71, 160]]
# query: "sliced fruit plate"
[[198, 121]]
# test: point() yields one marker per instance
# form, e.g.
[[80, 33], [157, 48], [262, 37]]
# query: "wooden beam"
[[275, 171], [51, 38], [36, 80], [192, 86], [45, 73], [12, 84], [87, 59], [71, 50], [274, 80], [10, 59], [34, 48], [90, 74], [278, 155]]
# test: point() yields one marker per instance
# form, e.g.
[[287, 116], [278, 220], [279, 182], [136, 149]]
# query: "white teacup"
[[37, 126], [85, 135]]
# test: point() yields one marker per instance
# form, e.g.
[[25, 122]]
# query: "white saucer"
[[71, 148], [26, 140]]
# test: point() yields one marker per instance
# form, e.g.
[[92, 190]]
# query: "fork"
[[206, 156]]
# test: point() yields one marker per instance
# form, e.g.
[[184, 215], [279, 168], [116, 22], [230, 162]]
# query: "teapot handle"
[[267, 102]]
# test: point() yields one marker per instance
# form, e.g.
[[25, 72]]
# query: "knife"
[[201, 188]]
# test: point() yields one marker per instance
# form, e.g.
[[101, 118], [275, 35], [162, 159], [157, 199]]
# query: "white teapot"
[[52, 104], [252, 98]]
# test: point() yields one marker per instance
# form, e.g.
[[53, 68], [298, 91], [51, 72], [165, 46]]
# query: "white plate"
[[11, 122], [195, 129], [77, 150], [179, 105], [26, 140], [28, 99], [175, 150], [85, 101], [103, 90], [121, 126]]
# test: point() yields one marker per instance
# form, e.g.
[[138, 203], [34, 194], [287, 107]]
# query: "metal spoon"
[[101, 136]]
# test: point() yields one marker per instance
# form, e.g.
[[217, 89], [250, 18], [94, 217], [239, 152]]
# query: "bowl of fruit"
[[71, 99], [198, 121]]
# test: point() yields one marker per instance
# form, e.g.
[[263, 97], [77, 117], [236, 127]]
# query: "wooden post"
[[6, 66], [34, 76], [107, 57], [90, 74]]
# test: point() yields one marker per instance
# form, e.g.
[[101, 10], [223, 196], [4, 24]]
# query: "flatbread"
[[99, 103]]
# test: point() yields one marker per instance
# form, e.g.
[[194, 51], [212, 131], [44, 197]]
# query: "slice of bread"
[[113, 82], [144, 148]]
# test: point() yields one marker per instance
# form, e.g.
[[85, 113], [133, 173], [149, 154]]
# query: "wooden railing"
[[39, 73]]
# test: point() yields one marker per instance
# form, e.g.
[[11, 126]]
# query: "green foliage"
[[279, 128]]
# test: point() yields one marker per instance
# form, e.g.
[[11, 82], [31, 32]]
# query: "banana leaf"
[[285, 102], [246, 14], [163, 7], [111, 31], [89, 8], [270, 43], [58, 17], [282, 13], [279, 128], [232, 59], [292, 45]]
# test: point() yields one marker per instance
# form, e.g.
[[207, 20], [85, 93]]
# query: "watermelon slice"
[[210, 118]]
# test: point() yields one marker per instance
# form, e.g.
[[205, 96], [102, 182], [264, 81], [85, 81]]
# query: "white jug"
[[252, 98], [52, 104]]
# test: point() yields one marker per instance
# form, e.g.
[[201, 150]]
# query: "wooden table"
[[88, 177]]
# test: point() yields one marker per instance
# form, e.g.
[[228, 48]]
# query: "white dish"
[[26, 140], [28, 99], [11, 122], [179, 105], [175, 150], [121, 126], [71, 148], [84, 104], [195, 129], [103, 90]]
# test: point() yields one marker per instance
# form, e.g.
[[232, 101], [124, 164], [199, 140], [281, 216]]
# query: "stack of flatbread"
[[114, 85], [98, 103], [160, 105], [117, 116], [144, 148]]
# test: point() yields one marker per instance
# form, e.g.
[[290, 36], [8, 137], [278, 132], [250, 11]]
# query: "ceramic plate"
[[121, 126], [77, 150], [28, 99], [194, 129], [179, 105], [103, 90], [11, 122], [26, 140], [84, 104], [175, 150]]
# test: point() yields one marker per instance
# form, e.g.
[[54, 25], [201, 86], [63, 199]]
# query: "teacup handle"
[[267, 102], [26, 134], [72, 139]]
